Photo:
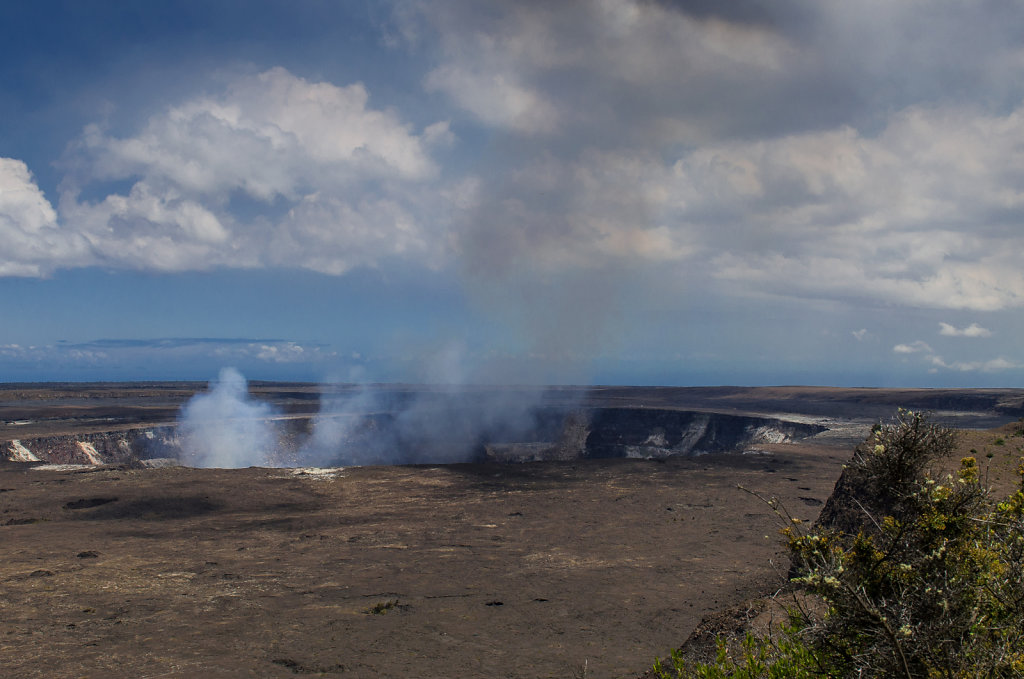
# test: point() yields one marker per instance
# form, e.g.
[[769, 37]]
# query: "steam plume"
[[432, 425], [356, 425], [223, 427]]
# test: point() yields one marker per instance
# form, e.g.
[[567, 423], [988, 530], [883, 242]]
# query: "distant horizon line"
[[479, 385]]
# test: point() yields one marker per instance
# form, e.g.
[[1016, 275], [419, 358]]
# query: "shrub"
[[785, 657], [932, 585]]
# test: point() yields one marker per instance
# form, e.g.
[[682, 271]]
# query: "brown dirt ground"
[[478, 570], [999, 452]]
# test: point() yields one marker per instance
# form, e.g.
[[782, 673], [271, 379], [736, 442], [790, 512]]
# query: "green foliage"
[[786, 657], [936, 591], [932, 586], [893, 463]]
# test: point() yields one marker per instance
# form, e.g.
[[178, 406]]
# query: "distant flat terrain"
[[46, 409]]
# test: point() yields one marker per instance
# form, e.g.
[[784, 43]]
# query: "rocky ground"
[[532, 570]]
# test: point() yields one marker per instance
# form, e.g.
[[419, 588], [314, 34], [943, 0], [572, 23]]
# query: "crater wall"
[[555, 434]]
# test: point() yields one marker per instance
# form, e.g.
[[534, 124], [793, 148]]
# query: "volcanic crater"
[[597, 538]]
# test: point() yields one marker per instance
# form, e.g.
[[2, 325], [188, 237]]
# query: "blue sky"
[[614, 191]]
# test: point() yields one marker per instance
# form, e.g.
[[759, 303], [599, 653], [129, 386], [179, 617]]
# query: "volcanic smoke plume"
[[362, 425], [223, 427], [433, 425]]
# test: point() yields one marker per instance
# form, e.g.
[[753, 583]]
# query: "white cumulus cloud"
[[912, 348], [33, 243], [275, 170], [495, 99], [918, 214], [972, 330]]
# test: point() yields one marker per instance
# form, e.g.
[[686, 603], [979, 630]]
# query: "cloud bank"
[[568, 154], [170, 358], [274, 171], [746, 144]]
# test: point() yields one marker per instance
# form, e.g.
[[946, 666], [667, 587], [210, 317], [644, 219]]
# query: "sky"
[[599, 192]]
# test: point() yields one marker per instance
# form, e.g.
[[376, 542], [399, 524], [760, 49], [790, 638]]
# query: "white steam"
[[334, 429], [356, 425], [224, 427], [427, 425]]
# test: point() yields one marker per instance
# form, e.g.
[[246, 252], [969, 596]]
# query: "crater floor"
[[473, 570]]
